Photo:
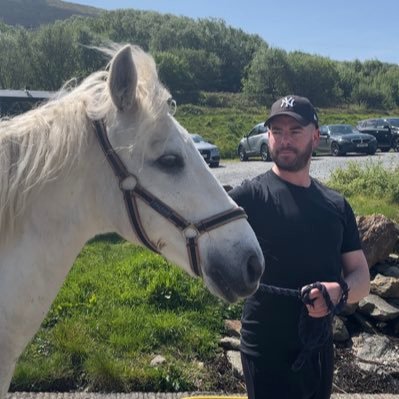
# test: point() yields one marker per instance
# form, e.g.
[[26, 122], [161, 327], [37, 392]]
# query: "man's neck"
[[299, 178]]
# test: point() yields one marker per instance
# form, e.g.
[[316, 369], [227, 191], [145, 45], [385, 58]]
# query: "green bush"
[[372, 180]]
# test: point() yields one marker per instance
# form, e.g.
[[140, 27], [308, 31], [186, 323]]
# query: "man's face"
[[291, 144]]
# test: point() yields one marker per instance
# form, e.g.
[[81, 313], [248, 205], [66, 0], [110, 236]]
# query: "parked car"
[[340, 139], [209, 151], [385, 130], [255, 144]]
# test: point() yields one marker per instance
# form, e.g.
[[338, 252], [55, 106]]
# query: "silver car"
[[209, 151], [255, 144]]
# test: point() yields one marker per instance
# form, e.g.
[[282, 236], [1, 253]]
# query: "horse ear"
[[123, 79]]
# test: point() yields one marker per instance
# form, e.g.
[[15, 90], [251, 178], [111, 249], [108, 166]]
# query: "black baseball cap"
[[298, 107]]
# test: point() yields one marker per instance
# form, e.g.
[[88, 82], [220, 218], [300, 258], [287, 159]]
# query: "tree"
[[314, 77], [15, 60], [54, 56], [268, 76]]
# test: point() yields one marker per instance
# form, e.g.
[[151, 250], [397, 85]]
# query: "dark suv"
[[385, 130]]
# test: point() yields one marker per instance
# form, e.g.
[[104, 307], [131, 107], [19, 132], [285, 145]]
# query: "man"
[[308, 234]]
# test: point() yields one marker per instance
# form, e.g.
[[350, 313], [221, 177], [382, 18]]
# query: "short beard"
[[299, 163]]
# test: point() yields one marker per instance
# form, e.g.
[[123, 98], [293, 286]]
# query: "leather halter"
[[131, 189]]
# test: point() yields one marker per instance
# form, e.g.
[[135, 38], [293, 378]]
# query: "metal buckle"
[[128, 183], [190, 232]]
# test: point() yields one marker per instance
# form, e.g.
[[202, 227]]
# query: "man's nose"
[[285, 138]]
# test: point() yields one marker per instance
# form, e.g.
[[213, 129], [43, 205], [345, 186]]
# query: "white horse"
[[108, 157]]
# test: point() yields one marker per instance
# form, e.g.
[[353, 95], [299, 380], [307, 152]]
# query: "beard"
[[294, 164]]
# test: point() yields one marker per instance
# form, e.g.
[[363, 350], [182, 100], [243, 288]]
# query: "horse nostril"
[[254, 269]]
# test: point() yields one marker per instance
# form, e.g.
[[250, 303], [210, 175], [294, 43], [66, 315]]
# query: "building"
[[13, 102]]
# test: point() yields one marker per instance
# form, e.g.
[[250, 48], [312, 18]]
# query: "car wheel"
[[385, 149], [242, 154], [264, 153], [214, 164], [372, 151], [335, 150]]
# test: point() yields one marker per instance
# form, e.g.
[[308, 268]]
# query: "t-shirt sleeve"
[[351, 239], [245, 196], [242, 194]]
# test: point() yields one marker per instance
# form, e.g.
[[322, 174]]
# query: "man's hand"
[[319, 307]]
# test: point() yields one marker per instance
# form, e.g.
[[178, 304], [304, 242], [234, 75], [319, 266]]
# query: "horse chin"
[[233, 276], [222, 291]]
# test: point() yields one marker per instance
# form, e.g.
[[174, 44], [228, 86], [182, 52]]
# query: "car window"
[[258, 129], [262, 129], [197, 138], [394, 121], [371, 124], [323, 130], [341, 129], [253, 132]]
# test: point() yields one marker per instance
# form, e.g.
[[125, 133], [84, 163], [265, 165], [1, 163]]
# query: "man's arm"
[[357, 276]]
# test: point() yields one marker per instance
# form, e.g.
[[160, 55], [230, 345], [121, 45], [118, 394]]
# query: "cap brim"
[[297, 117]]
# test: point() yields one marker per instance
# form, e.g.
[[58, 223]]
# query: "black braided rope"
[[313, 333]]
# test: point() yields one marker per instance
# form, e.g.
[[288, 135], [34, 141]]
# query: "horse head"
[[173, 204]]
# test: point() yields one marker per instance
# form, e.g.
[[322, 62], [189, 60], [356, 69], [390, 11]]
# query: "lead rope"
[[313, 335]]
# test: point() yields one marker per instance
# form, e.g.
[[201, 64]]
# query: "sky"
[[343, 30]]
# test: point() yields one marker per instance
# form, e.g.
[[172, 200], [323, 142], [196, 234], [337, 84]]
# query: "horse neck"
[[34, 262], [68, 211]]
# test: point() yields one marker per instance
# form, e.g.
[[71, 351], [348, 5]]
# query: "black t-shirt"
[[302, 233]]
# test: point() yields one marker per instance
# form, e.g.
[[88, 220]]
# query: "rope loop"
[[313, 332]]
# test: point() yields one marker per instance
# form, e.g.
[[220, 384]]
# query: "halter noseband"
[[131, 189]]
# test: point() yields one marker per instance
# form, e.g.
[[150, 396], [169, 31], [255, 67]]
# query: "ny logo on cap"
[[287, 102]]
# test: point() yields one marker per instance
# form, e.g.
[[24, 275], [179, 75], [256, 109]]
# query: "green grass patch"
[[370, 188], [119, 307]]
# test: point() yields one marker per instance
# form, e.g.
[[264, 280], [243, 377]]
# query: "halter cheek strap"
[[131, 189]]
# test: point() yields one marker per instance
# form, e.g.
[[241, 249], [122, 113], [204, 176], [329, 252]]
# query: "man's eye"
[[170, 161]]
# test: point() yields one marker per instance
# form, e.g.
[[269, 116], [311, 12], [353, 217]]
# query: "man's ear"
[[316, 138]]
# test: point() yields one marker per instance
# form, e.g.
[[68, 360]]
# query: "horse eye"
[[170, 161]]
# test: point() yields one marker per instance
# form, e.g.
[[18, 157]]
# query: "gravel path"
[[234, 172]]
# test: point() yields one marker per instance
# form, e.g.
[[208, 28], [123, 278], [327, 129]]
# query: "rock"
[[386, 287], [234, 358], [378, 308], [379, 236], [349, 309], [233, 328], [387, 270], [230, 343], [374, 351], [157, 360], [340, 332]]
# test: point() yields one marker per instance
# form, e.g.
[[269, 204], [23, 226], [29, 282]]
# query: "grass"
[[370, 189], [119, 307]]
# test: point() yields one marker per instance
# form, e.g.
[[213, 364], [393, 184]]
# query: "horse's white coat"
[[58, 191]]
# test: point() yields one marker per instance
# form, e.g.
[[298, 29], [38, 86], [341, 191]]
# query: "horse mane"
[[40, 145]]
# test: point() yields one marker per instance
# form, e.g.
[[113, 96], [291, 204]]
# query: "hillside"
[[33, 13]]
